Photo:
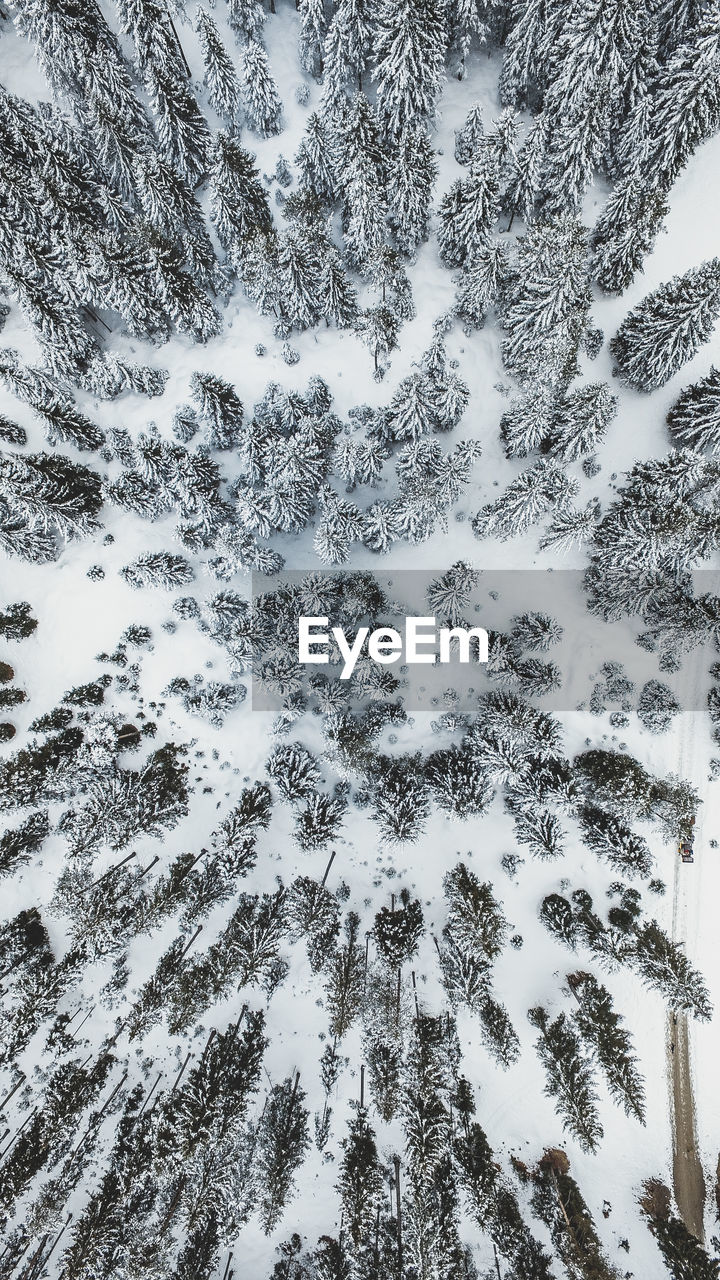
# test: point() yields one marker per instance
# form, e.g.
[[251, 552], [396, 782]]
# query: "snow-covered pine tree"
[[601, 1028], [523, 191], [685, 102], [221, 80], [469, 211], [545, 302], [409, 54], [313, 29], [282, 1143], [663, 966], [414, 170], [626, 231], [239, 207], [346, 51], [694, 419], [569, 1077], [247, 18], [345, 981], [316, 159], [581, 419], [468, 30], [261, 101], [181, 128], [469, 138], [527, 424], [526, 500], [668, 327], [397, 931], [219, 407]]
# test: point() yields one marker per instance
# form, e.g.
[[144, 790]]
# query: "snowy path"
[[688, 1177]]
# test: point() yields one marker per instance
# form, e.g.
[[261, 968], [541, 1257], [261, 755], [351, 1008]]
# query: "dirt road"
[[688, 1177]]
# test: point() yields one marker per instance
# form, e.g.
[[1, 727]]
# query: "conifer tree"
[[409, 52], [313, 29], [601, 1027], [694, 419], [545, 302], [282, 1142], [569, 1077], [260, 97], [668, 327], [238, 204], [221, 81]]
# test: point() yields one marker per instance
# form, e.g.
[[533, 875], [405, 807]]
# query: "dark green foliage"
[[558, 1201], [398, 931], [569, 1077], [607, 836], [345, 981], [17, 844], [17, 622], [668, 327], [400, 801], [694, 419], [282, 1142], [663, 965], [601, 1028]]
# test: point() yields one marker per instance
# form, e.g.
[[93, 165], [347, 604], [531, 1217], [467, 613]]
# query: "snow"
[[79, 619]]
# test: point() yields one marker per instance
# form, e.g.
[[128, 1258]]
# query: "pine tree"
[[581, 420], [611, 839], [260, 97], [219, 408], [345, 982], [467, 28], [397, 931], [414, 170], [313, 30], [525, 501], [545, 302], [246, 19], [663, 965], [361, 1180], [51, 491], [527, 425], [181, 128], [316, 159], [694, 419], [569, 1077], [220, 79], [525, 185], [469, 211], [601, 1028], [282, 1142], [347, 48], [626, 231], [400, 802], [238, 204], [409, 52], [660, 335], [158, 569], [469, 139], [685, 104], [336, 296], [298, 266]]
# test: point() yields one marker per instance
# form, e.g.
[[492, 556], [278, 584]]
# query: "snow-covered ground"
[[80, 618]]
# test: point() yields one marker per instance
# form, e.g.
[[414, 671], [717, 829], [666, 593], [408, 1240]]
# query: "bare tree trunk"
[[14, 1089], [396, 1162], [327, 869]]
